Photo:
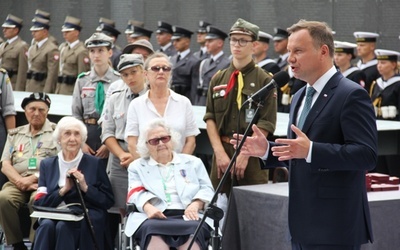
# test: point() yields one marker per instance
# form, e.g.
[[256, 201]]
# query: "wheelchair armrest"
[[130, 207]]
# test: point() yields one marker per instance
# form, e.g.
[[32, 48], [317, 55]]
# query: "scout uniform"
[[13, 55], [202, 53], [89, 87], [267, 64], [185, 74], [46, 15], [353, 73], [369, 68], [74, 59], [222, 107], [114, 124], [6, 104], [210, 66], [168, 49], [43, 59], [107, 26], [25, 151]]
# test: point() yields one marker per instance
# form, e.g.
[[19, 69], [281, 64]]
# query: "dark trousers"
[[297, 246]]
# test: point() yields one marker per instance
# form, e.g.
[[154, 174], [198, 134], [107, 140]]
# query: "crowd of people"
[[132, 132]]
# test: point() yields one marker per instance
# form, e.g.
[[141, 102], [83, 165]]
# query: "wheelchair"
[[128, 243]]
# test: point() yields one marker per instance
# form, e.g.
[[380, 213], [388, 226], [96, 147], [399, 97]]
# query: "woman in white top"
[[161, 102]]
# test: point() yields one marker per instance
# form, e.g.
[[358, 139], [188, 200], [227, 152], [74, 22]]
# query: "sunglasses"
[[158, 68], [156, 141]]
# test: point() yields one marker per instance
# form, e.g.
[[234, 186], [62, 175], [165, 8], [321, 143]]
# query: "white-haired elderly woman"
[[165, 186], [55, 188], [161, 102]]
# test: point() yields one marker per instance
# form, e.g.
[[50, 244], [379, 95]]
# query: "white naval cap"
[[344, 47], [384, 54], [362, 36], [264, 37]]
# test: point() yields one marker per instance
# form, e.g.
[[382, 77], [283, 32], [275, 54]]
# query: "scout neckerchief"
[[231, 84], [99, 97]]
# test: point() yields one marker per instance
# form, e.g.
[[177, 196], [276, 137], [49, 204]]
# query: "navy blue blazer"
[[327, 197], [98, 198]]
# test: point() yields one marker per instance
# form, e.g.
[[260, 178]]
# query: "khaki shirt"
[[14, 59], [21, 146], [83, 98], [6, 97], [224, 111], [43, 60], [73, 61]]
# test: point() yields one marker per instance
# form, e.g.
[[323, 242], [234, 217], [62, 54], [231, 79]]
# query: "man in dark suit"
[[329, 150], [185, 64]]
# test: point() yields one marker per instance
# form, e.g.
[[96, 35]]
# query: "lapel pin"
[[325, 95]]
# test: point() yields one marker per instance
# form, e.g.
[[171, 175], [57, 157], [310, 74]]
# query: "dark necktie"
[[307, 106], [178, 58], [279, 60], [161, 50], [133, 96], [5, 44], [201, 53]]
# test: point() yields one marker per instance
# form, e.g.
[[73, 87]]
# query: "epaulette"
[[3, 71], [14, 131], [219, 71], [269, 73], [83, 74]]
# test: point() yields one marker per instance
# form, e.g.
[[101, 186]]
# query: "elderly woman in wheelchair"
[[169, 190]]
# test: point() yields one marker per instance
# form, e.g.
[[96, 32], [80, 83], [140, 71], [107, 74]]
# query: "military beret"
[[99, 40], [36, 97], [129, 60], [42, 14], [40, 24], [164, 27], [384, 54], [244, 27], [362, 36], [12, 22], [139, 31], [215, 33], [344, 47], [71, 23], [280, 34], [264, 37], [179, 32], [139, 43], [203, 27]]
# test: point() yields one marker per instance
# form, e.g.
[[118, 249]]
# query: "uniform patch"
[[56, 57]]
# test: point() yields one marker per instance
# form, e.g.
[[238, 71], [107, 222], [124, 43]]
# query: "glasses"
[[156, 141], [242, 42], [158, 68]]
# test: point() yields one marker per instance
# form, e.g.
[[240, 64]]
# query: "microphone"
[[278, 79]]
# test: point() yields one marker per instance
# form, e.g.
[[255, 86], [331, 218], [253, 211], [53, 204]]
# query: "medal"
[[20, 150]]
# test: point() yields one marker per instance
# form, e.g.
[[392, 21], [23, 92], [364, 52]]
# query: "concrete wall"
[[344, 16]]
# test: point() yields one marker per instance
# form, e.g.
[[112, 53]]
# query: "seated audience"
[[56, 188], [169, 190], [25, 147]]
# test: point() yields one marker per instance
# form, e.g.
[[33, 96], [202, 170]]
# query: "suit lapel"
[[323, 98]]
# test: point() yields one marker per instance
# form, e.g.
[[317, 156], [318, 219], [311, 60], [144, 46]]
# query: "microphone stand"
[[85, 211], [212, 210]]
